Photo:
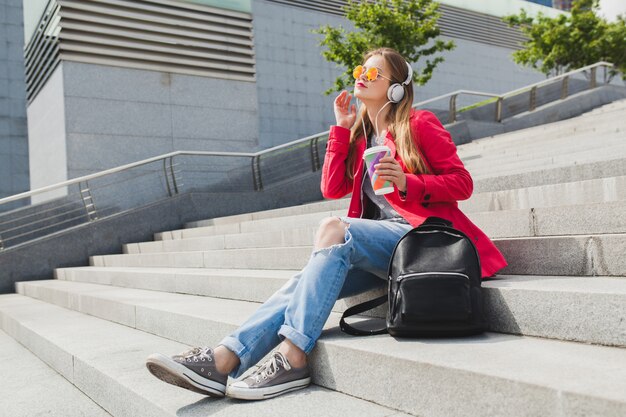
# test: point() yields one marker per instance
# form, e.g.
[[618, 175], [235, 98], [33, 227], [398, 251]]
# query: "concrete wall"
[[47, 139], [136, 114], [292, 74], [13, 134], [115, 116]]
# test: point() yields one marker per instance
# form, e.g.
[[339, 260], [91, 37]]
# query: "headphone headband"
[[410, 76]]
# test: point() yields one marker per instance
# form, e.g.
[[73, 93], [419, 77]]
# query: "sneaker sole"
[[174, 373], [269, 392]]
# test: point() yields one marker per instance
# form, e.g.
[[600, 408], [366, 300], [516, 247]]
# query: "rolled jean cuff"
[[235, 346], [304, 342]]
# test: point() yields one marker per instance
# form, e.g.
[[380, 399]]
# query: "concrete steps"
[[106, 361], [585, 255], [505, 166], [551, 175], [590, 191], [35, 389], [605, 121], [298, 230], [430, 377], [584, 309], [559, 140], [596, 190]]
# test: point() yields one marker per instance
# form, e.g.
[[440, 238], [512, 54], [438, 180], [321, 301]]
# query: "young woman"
[[351, 253]]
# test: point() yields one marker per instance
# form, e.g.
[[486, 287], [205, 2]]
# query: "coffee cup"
[[372, 157]]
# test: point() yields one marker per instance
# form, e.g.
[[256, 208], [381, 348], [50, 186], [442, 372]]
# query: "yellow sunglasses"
[[372, 73]]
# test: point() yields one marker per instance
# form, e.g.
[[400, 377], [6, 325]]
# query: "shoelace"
[[198, 353], [270, 367]]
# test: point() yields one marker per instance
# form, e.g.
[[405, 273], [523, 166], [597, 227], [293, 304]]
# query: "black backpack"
[[434, 286]]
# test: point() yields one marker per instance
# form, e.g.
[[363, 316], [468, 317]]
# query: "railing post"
[[256, 173], [592, 83], [173, 173], [499, 110], [315, 155], [564, 88], [167, 180], [452, 117], [90, 207], [533, 99]]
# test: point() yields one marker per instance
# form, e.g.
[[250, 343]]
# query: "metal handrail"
[[313, 138], [532, 88], [513, 92], [557, 77]]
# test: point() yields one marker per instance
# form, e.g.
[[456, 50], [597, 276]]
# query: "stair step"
[[584, 255], [300, 230], [513, 166], [599, 190], [566, 143], [325, 205], [34, 389], [107, 362], [550, 141], [508, 375], [607, 121], [590, 255], [584, 309], [495, 181], [564, 194]]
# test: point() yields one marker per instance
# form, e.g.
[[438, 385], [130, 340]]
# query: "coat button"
[[427, 197]]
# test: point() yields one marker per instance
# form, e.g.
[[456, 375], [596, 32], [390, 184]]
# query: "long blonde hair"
[[398, 118]]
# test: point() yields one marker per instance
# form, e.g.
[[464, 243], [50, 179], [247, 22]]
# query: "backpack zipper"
[[438, 231], [414, 274]]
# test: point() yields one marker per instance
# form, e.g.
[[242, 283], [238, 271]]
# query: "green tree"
[[567, 42], [408, 26]]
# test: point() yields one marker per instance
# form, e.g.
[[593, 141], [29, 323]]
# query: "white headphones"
[[395, 93]]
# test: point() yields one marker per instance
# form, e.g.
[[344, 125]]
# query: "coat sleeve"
[[334, 182], [449, 181]]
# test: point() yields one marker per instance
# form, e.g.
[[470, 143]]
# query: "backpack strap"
[[360, 308]]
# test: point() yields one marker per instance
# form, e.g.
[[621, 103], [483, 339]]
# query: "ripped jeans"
[[299, 309]]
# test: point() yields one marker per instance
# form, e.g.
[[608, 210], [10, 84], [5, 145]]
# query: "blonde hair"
[[398, 118]]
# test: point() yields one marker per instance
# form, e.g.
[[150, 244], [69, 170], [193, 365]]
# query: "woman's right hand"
[[345, 115]]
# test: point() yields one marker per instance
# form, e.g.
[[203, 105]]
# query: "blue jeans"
[[299, 310]]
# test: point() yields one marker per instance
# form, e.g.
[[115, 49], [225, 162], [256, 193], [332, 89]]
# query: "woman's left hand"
[[389, 169]]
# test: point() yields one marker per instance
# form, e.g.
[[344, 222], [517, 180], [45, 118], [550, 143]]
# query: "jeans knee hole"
[[347, 238]]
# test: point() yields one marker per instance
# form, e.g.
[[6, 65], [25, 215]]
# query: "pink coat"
[[426, 194]]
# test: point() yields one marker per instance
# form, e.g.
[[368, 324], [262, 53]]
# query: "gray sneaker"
[[193, 369], [275, 377]]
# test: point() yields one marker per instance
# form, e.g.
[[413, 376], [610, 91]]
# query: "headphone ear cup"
[[395, 93]]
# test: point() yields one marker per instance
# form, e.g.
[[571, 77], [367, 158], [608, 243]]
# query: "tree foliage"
[[567, 42], [408, 26]]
